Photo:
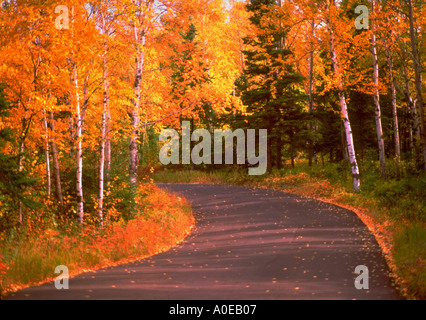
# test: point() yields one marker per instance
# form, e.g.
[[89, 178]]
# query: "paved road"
[[247, 244]]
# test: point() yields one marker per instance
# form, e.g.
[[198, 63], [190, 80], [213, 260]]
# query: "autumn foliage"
[[164, 222], [86, 87], [82, 81]]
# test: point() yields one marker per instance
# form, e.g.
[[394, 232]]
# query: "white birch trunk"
[[46, 153], [344, 115], [20, 168], [140, 37], [418, 81], [102, 167], [311, 125], [376, 97], [135, 123], [56, 168], [349, 142], [79, 151], [103, 125], [78, 133], [107, 169], [395, 118], [412, 105], [389, 57]]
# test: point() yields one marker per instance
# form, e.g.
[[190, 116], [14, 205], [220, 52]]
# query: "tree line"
[[311, 74], [86, 88]]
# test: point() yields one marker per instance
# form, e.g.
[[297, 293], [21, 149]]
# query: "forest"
[[86, 87]]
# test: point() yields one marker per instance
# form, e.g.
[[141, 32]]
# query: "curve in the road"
[[247, 244]]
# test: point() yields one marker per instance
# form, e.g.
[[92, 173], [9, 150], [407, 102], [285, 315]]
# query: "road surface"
[[247, 244]]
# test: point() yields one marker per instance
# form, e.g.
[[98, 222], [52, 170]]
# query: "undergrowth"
[[30, 258]]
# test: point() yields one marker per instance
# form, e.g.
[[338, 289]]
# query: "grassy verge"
[[394, 209], [31, 259]]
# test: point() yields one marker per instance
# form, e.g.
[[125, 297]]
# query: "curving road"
[[247, 244]]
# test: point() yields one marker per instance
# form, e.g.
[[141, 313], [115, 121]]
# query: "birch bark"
[[56, 168], [376, 97], [105, 99], [389, 58], [418, 80], [79, 150], [344, 111], [47, 154], [139, 32]]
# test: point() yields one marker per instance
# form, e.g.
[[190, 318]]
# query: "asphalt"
[[247, 244]]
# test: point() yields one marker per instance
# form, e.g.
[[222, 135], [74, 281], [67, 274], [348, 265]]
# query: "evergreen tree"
[[13, 181], [188, 68], [270, 86]]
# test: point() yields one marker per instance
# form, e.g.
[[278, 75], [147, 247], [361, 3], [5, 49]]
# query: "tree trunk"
[[77, 135], [311, 124], [395, 121], [79, 150], [349, 142], [105, 112], [102, 165], [269, 150], [279, 152], [133, 148], [20, 168], [394, 107], [56, 169], [412, 105], [140, 38], [376, 96], [26, 123], [103, 146], [344, 144], [292, 150], [344, 114], [411, 138], [108, 145], [418, 81], [47, 154]]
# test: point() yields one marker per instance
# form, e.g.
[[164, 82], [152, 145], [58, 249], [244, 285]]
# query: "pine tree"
[[270, 86], [13, 181]]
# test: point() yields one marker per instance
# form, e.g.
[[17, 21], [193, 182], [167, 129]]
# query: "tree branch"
[[142, 125]]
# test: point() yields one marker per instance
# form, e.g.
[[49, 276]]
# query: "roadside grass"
[[393, 208], [30, 259]]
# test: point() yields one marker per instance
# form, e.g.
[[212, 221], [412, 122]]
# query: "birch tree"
[[139, 19], [83, 33], [417, 78], [388, 37], [376, 95], [332, 25]]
